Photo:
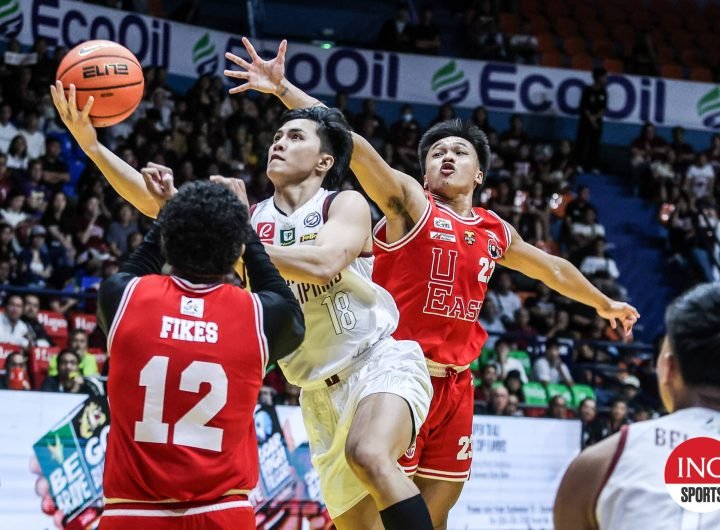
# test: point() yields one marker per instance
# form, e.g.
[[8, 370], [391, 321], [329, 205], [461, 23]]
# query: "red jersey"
[[187, 365], [438, 274]]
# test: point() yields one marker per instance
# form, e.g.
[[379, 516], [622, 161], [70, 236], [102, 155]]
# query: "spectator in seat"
[[16, 373], [585, 232], [55, 170], [33, 136], [514, 384], [12, 329], [593, 104], [600, 268], [488, 377], [120, 229], [395, 33], [523, 46], [643, 58], [684, 154], [542, 308], [506, 300], [35, 259], [575, 211], [618, 416], [8, 131], [68, 378], [491, 322], [13, 213], [291, 396], [267, 396], [521, 333], [18, 154], [513, 407], [550, 368], [425, 37], [592, 429], [513, 138], [508, 364], [31, 308], [645, 149], [78, 344], [557, 408], [497, 405], [700, 178]]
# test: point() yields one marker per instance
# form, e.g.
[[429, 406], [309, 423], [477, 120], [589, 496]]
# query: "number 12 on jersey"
[[341, 316]]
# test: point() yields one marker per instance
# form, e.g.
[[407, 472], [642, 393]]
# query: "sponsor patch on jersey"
[[192, 307], [266, 232], [287, 236], [494, 249], [308, 237], [312, 219], [442, 224], [469, 237], [439, 236]]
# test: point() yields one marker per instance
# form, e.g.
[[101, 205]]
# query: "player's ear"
[[325, 162], [479, 178]]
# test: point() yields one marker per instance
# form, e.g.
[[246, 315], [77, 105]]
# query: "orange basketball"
[[107, 71]]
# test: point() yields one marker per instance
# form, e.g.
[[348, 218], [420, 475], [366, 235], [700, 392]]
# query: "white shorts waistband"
[[444, 370]]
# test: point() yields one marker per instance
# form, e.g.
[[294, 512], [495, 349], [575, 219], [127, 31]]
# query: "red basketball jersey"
[[438, 274], [187, 365]]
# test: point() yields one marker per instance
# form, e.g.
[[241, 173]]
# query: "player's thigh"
[[440, 496], [363, 516], [383, 423]]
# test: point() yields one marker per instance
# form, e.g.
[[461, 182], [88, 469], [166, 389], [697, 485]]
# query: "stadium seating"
[[535, 394]]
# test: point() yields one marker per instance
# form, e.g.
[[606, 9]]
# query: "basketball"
[[107, 71]]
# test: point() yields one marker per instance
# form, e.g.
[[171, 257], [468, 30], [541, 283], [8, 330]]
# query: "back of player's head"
[[335, 138], [462, 129], [693, 328], [204, 227]]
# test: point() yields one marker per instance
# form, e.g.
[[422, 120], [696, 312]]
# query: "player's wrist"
[[282, 88]]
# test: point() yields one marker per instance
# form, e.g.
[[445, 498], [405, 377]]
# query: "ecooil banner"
[[193, 51]]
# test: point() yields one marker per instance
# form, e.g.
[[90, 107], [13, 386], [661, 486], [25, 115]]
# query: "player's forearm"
[[294, 98], [567, 280], [123, 178], [309, 264]]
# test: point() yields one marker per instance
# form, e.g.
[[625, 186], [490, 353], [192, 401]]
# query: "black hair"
[[203, 228], [585, 400], [335, 138], [599, 72], [71, 352], [693, 329], [462, 129]]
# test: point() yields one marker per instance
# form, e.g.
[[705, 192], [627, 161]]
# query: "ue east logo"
[[692, 475]]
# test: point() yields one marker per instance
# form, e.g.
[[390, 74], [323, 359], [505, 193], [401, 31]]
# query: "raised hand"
[[625, 313], [237, 186], [261, 75], [77, 121], [159, 182]]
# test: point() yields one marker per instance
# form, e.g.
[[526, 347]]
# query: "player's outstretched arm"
[[562, 276], [340, 241], [584, 478], [398, 195], [122, 177]]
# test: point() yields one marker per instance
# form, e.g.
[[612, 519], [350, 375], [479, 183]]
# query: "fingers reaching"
[[239, 89], [88, 106], [250, 49], [162, 168], [282, 49], [237, 60]]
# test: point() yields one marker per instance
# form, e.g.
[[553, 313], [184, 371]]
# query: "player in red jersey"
[[188, 357], [435, 254]]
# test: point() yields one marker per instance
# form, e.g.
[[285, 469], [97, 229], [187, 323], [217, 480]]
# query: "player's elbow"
[[325, 273]]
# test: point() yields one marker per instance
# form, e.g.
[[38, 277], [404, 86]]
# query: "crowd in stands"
[[63, 229]]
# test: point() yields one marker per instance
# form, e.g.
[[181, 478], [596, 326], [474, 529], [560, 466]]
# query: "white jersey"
[[635, 495], [343, 318]]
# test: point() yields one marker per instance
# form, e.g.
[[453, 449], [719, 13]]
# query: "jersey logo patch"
[[192, 307], [266, 231], [410, 451], [494, 249], [469, 237], [442, 224], [443, 237], [312, 219], [287, 236], [308, 237]]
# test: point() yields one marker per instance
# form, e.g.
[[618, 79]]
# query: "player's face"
[[452, 168], [295, 153]]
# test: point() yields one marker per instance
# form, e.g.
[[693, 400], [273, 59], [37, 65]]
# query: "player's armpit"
[[580, 488], [398, 195]]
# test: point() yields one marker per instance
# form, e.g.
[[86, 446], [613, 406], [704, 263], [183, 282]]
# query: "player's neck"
[[700, 396], [461, 205], [290, 197]]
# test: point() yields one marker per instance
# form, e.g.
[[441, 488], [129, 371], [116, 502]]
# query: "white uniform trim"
[[196, 287], [123, 512], [449, 476], [260, 329], [475, 219], [390, 247], [508, 233], [129, 288]]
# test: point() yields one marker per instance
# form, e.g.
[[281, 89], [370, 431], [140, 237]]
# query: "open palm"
[[261, 75]]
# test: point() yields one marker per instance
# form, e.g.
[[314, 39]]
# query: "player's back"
[[635, 495], [187, 365]]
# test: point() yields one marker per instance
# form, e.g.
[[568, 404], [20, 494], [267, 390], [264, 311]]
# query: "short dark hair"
[[693, 328], [67, 351], [599, 72], [335, 138], [462, 129], [203, 228]]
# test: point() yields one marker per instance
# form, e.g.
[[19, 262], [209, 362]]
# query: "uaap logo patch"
[[411, 451], [312, 219], [469, 237], [494, 249]]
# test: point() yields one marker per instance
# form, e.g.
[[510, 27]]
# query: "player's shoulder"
[[260, 208], [348, 203]]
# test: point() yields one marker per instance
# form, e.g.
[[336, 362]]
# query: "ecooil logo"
[[204, 56], [708, 108], [450, 84], [11, 19]]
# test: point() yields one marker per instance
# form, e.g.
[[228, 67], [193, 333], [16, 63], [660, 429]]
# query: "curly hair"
[[462, 129], [335, 138], [203, 229]]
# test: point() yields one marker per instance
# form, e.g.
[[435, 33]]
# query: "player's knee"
[[367, 461]]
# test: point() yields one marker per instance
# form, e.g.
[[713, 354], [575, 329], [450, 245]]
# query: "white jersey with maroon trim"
[[634, 495], [343, 318]]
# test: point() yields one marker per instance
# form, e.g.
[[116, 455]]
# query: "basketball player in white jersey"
[[364, 394], [618, 484]]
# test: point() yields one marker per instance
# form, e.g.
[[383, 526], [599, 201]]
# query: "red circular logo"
[[692, 474]]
